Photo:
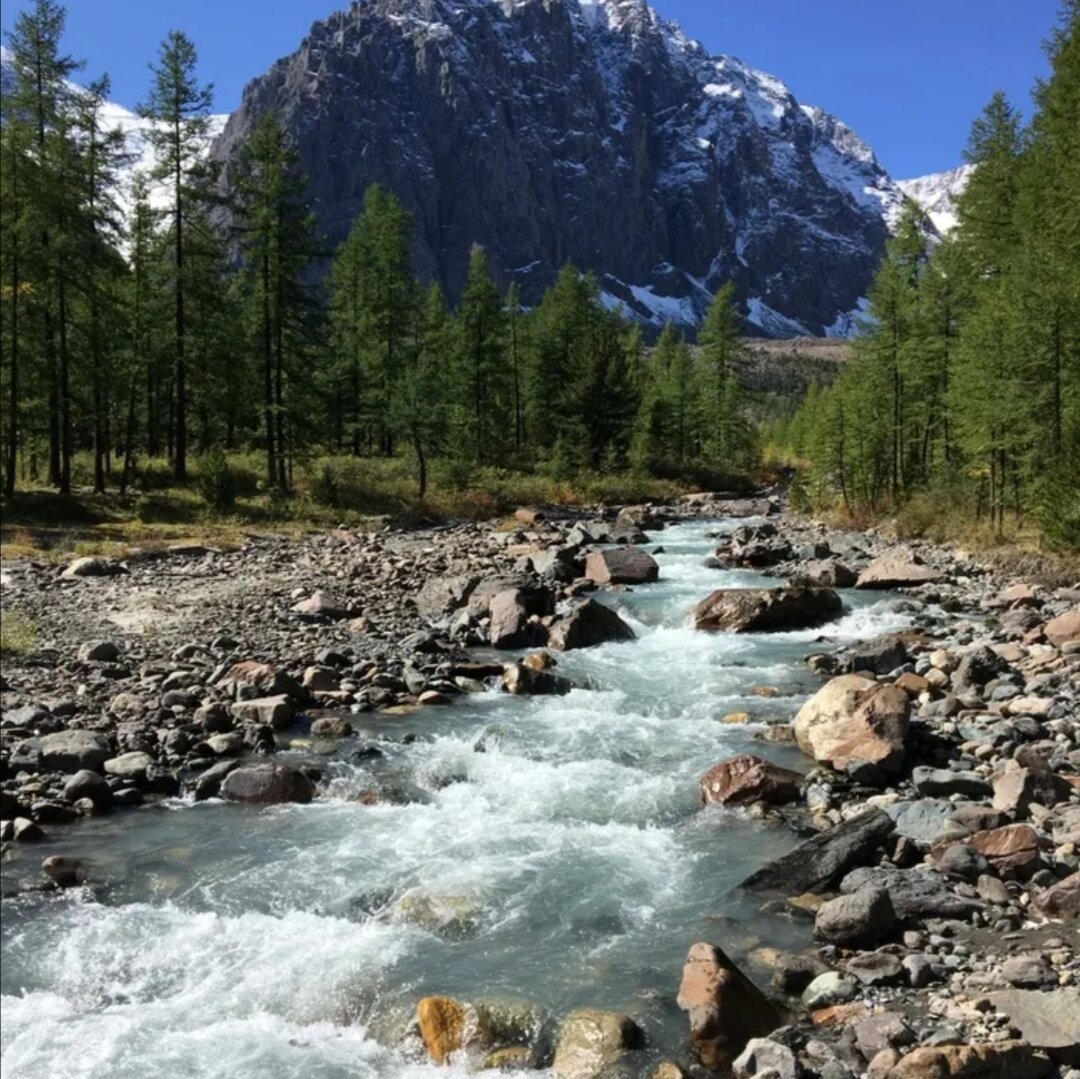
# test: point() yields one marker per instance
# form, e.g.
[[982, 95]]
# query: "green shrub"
[[18, 634], [216, 481]]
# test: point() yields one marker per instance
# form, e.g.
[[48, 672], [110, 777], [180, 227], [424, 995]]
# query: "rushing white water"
[[554, 851]]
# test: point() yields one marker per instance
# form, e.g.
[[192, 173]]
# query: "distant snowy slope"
[[937, 194], [135, 130]]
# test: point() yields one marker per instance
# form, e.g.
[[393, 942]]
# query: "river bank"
[[361, 661]]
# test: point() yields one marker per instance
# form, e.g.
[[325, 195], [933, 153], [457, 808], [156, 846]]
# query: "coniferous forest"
[[200, 319], [963, 392]]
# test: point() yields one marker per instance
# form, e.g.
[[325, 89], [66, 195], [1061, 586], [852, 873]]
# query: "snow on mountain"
[[588, 131], [141, 157], [937, 194]]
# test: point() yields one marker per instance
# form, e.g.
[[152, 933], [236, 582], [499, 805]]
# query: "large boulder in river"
[[853, 719], [724, 1007], [621, 565], [746, 779], [524, 680], [821, 861], [586, 624], [267, 784], [895, 569], [753, 610], [591, 1041]]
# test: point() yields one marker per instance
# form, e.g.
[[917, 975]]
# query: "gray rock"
[[73, 750], [821, 861], [99, 651], [829, 988], [763, 1055], [861, 917], [267, 784], [91, 785], [962, 862], [1027, 971], [914, 893], [876, 968], [586, 624], [129, 766], [943, 782]]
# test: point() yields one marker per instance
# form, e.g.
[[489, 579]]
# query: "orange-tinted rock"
[[745, 779], [1013, 849], [986, 1060], [724, 1007], [1061, 900], [1066, 627]]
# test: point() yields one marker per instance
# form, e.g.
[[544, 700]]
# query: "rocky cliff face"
[[590, 131]]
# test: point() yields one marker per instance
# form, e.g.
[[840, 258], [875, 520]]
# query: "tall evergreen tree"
[[179, 107]]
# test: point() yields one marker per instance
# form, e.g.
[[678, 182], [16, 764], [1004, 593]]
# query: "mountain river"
[[551, 850]]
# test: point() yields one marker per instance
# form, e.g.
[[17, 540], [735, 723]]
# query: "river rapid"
[[548, 849]]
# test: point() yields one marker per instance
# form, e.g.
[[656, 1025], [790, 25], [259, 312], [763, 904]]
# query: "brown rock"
[[1061, 900], [895, 570], [528, 515], [277, 711], [446, 1026], [1017, 788], [322, 606], [724, 1007], [1066, 627], [757, 610], [524, 680], [986, 1060], [853, 718], [509, 619], [912, 684], [1013, 850], [621, 565], [266, 681], [745, 779]]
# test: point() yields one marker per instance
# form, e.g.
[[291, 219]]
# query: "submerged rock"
[[590, 1041]]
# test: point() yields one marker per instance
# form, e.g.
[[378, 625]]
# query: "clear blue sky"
[[909, 76]]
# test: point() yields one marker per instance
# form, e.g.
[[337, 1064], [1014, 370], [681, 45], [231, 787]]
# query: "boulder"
[[828, 573], [765, 1056], [1061, 900], [896, 570], [129, 766], [276, 711], [267, 784], [758, 610], [854, 719], [88, 784], [976, 668], [1046, 1020], [591, 1041], [879, 655], [724, 1007], [509, 626], [915, 894], [621, 565], [440, 596], [1017, 788], [982, 1060], [859, 918], [72, 750], [524, 680], [745, 779], [1066, 627], [821, 861], [1012, 850], [943, 782], [447, 1026], [588, 623], [64, 871], [250, 679]]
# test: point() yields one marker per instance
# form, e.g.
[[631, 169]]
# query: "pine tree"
[[277, 237], [179, 107]]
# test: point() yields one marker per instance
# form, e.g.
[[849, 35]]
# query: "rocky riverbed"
[[902, 807]]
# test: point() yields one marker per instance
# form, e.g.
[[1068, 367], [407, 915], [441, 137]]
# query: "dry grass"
[[18, 634]]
